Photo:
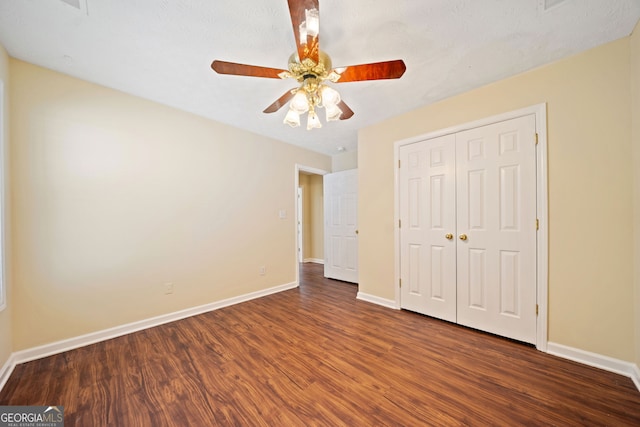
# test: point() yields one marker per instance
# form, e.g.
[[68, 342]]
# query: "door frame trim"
[[300, 223], [315, 171], [542, 201]]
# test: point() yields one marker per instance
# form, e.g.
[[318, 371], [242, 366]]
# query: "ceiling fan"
[[312, 68]]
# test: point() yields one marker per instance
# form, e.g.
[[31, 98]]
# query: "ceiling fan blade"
[[347, 112], [305, 17], [223, 67], [374, 71], [280, 102]]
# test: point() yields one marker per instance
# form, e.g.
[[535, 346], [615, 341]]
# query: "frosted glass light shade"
[[299, 102], [333, 112], [292, 118], [313, 122], [330, 96]]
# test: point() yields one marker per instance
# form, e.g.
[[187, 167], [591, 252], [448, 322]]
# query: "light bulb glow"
[[330, 96], [299, 102]]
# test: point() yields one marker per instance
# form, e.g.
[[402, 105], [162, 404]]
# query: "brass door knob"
[[449, 236], [357, 232], [463, 237]]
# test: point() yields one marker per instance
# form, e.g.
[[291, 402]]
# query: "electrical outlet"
[[168, 288], [263, 270]]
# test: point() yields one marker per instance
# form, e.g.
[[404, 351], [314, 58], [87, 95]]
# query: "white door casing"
[[490, 173], [341, 225], [300, 224]]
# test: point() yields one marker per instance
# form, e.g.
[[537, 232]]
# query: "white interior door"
[[341, 225], [496, 211], [427, 227], [468, 228]]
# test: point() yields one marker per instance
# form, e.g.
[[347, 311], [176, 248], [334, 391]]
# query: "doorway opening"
[[309, 199]]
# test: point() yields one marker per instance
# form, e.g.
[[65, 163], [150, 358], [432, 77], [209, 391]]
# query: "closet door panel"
[[427, 215], [496, 205]]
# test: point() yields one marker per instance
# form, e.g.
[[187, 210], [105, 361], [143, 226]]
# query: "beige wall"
[[590, 187], [635, 114], [6, 347], [344, 161], [113, 196], [313, 211]]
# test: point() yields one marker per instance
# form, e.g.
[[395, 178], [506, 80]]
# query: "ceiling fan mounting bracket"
[[307, 68]]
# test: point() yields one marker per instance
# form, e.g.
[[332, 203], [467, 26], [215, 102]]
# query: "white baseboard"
[[635, 376], [389, 303], [7, 370], [581, 356], [314, 260], [606, 363], [106, 334]]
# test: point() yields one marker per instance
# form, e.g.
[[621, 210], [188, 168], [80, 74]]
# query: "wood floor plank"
[[317, 356]]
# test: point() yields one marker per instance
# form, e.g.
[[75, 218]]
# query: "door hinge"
[[398, 163], [537, 309], [400, 282], [536, 138], [537, 224], [399, 223]]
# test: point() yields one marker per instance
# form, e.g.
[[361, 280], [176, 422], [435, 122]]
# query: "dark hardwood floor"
[[317, 356]]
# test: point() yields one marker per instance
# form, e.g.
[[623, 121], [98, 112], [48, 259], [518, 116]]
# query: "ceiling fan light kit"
[[311, 67], [307, 98]]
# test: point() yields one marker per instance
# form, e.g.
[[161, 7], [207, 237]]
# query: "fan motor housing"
[[309, 68]]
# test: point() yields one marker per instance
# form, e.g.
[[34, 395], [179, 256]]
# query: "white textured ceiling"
[[162, 50]]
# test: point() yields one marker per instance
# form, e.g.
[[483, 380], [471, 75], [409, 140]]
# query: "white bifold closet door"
[[468, 228], [427, 216]]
